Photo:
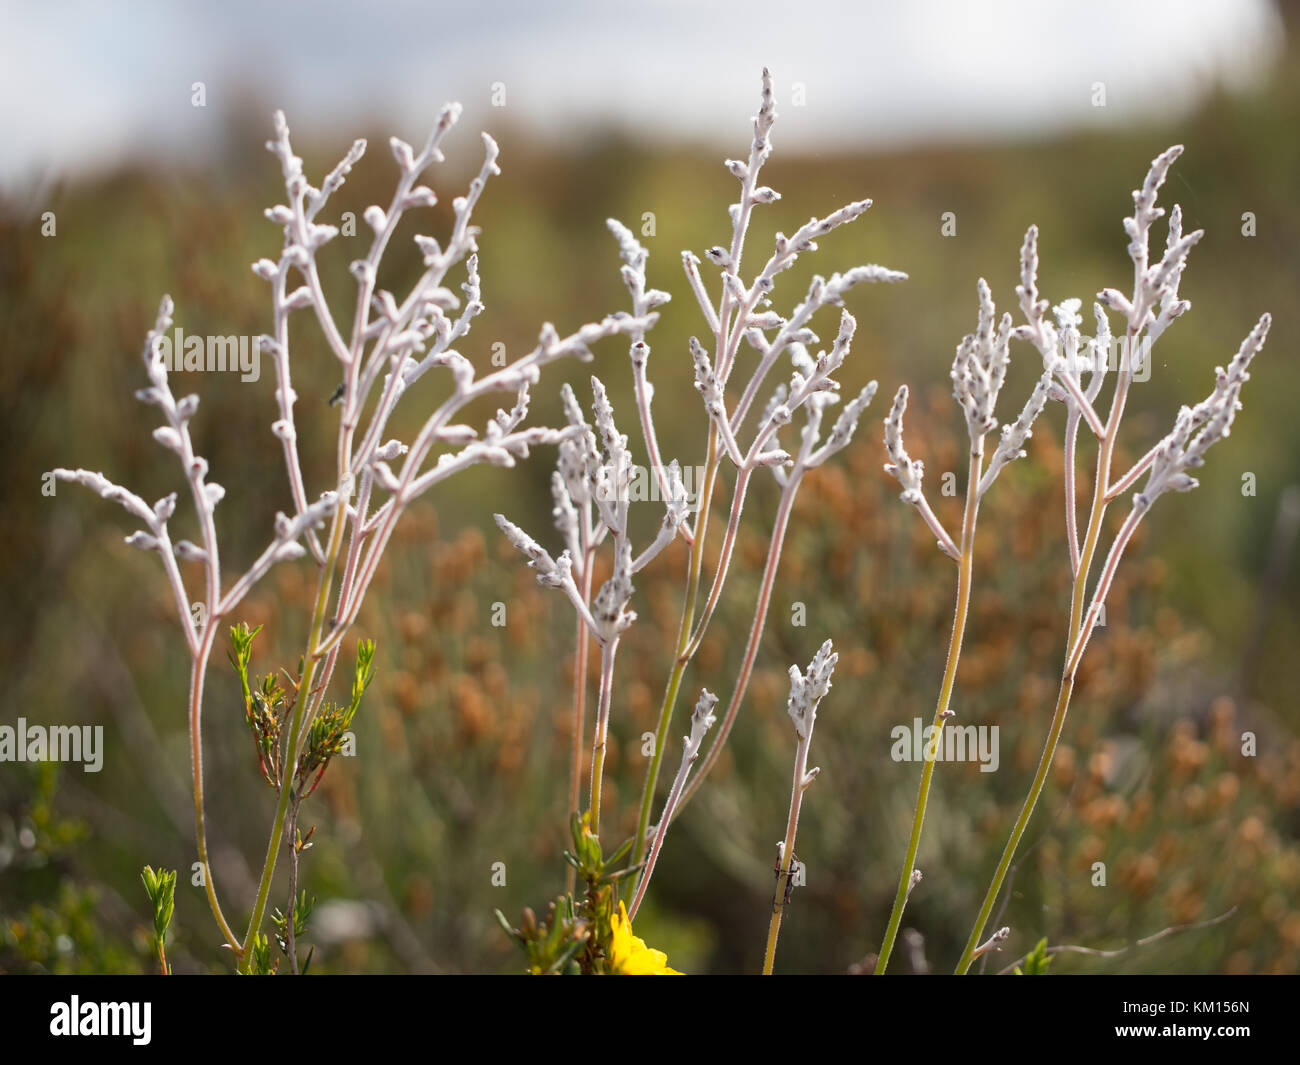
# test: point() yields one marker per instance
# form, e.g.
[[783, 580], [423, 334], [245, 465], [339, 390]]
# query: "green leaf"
[[509, 930], [1036, 961], [618, 855], [260, 963], [160, 886]]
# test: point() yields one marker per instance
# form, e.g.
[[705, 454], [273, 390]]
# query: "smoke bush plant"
[[591, 487], [392, 342], [1075, 368]]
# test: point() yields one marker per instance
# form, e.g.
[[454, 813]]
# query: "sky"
[[87, 85]]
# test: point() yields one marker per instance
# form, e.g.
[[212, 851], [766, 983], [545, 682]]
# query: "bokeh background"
[[985, 111]]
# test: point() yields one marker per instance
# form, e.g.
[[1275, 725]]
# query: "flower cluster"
[[392, 342], [1075, 369]]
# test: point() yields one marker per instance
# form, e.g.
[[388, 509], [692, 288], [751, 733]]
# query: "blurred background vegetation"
[[462, 743]]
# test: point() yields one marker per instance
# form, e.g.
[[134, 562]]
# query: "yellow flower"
[[629, 955]]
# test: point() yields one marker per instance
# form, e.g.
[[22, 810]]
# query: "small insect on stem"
[[789, 881]]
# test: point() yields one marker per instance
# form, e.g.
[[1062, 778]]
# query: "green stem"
[[964, 581], [579, 712], [607, 652], [290, 910], [756, 628], [787, 852], [1077, 600], [198, 670], [1022, 822], [680, 661], [296, 729]]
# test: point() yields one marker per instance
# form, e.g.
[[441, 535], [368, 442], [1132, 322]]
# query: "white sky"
[[85, 84]]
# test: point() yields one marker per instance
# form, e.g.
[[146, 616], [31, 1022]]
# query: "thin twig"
[[1144, 941]]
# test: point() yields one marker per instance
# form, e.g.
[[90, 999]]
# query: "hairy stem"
[[293, 888], [198, 670], [296, 729], [607, 652], [1022, 822], [964, 581], [1077, 638], [1071, 517], [756, 628], [786, 868], [665, 819], [683, 641], [724, 558], [579, 708]]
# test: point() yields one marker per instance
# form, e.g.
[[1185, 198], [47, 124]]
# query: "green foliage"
[[261, 963], [54, 915], [160, 886], [553, 946], [267, 713], [575, 937], [241, 652], [301, 911], [66, 933], [266, 710], [1036, 961], [363, 674], [327, 733]]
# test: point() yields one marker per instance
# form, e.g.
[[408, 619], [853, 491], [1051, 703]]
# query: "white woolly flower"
[[1197, 429], [808, 689], [901, 466]]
